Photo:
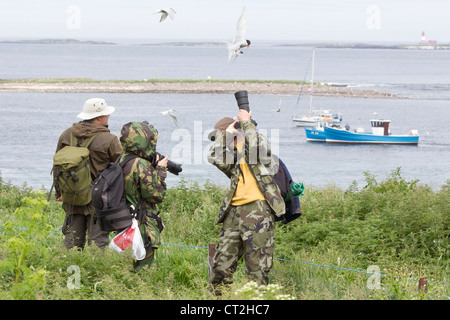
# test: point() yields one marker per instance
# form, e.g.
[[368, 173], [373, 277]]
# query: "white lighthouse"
[[424, 41], [423, 37]]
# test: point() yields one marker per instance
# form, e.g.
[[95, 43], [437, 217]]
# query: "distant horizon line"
[[210, 40]]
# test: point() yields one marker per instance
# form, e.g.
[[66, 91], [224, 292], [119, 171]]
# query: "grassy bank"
[[400, 228]]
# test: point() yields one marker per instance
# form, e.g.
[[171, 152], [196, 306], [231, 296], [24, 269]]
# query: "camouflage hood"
[[139, 138]]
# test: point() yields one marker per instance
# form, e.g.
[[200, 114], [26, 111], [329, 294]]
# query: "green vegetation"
[[399, 226]]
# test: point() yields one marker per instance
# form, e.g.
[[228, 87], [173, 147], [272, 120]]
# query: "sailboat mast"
[[312, 82]]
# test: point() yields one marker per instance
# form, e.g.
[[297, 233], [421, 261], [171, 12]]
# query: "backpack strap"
[[125, 161], [86, 143]]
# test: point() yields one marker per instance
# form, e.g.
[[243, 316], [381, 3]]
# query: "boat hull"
[[311, 121], [315, 135], [304, 123], [344, 136]]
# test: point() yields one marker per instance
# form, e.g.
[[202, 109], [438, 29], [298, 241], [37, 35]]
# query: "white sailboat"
[[316, 115]]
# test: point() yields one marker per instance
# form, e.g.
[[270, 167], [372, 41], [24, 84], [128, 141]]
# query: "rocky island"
[[183, 86]]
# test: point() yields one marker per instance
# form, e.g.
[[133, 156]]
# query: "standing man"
[[79, 222], [248, 208], [145, 184]]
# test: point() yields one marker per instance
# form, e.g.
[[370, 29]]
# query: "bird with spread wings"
[[239, 40]]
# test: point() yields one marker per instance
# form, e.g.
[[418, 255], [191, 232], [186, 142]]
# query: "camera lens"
[[242, 100]]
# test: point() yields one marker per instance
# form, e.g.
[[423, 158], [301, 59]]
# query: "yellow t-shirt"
[[247, 189]]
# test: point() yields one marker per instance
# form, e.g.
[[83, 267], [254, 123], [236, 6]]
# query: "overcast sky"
[[294, 20]]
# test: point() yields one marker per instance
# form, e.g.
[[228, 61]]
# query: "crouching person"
[[145, 185], [248, 208]]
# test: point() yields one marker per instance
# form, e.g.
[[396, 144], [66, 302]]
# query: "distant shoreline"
[[56, 41], [328, 44], [184, 86]]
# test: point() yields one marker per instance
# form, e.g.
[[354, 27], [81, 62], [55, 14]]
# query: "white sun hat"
[[95, 107]]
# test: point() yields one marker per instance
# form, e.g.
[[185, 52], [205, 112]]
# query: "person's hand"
[[231, 128], [162, 162], [59, 199], [244, 115]]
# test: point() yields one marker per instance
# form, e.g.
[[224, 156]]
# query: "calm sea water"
[[32, 122]]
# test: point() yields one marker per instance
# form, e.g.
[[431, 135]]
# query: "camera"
[[242, 102], [172, 167]]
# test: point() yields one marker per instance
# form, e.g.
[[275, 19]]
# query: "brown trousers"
[[78, 228]]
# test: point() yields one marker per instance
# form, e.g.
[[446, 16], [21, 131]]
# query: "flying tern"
[[171, 113], [239, 41], [166, 12]]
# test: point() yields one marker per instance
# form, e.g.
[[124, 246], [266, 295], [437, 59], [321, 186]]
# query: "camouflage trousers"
[[151, 235], [248, 231]]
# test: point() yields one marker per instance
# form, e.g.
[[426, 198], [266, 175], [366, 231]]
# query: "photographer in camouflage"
[[145, 185], [248, 208]]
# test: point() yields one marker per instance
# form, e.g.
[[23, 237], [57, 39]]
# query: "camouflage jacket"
[[259, 159], [143, 181]]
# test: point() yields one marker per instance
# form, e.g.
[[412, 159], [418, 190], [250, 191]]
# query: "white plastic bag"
[[130, 235]]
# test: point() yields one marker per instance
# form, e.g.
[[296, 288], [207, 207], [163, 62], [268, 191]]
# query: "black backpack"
[[285, 182], [108, 197]]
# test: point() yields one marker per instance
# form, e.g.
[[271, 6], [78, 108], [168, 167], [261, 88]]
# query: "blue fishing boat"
[[380, 135], [316, 133]]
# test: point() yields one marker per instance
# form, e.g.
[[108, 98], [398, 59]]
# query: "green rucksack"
[[73, 172]]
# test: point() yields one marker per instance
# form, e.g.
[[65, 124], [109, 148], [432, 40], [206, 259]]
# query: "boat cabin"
[[380, 127]]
